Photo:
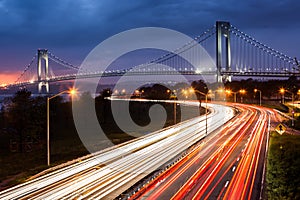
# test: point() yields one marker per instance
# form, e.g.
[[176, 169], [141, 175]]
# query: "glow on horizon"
[[9, 78]]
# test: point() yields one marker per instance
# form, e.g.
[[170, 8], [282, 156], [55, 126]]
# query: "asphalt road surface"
[[228, 164]]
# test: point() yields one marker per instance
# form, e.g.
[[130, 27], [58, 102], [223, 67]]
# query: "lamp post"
[[193, 90], [71, 92], [173, 96], [220, 92], [242, 91], [234, 93], [282, 91], [256, 90]]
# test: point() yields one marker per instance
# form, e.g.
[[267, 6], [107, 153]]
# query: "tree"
[[292, 84], [104, 93], [201, 86], [2, 119], [27, 116], [159, 92]]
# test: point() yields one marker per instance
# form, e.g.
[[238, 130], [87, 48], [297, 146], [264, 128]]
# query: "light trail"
[[116, 167], [195, 155], [232, 162], [241, 185], [214, 166]]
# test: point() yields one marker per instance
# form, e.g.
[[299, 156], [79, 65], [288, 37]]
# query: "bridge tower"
[[42, 70], [223, 35]]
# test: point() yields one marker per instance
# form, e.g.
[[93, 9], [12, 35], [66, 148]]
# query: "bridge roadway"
[[114, 73], [115, 169], [117, 73], [228, 164]]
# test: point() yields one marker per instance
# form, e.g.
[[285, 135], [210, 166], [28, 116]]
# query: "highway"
[[111, 171], [228, 164]]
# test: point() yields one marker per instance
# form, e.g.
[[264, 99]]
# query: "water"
[[2, 97]]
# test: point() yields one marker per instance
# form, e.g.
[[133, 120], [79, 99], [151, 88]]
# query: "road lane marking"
[[233, 169], [226, 184]]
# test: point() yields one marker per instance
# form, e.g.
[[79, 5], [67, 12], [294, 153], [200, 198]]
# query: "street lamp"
[[185, 93], [193, 90], [242, 91], [220, 91], [256, 90], [234, 94], [282, 91], [173, 96], [71, 92]]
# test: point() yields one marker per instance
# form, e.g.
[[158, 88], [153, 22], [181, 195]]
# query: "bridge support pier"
[[222, 29], [43, 71]]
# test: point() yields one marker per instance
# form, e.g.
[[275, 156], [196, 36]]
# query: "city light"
[[185, 92], [72, 91], [220, 90], [228, 91], [282, 90], [242, 91]]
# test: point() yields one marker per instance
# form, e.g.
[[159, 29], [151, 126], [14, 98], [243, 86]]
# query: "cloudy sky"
[[71, 28]]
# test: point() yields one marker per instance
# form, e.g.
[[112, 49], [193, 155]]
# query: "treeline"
[[22, 121], [23, 117], [269, 88]]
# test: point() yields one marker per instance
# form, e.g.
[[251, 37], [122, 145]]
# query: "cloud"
[[68, 22], [78, 25]]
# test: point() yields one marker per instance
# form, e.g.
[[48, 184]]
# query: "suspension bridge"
[[235, 54]]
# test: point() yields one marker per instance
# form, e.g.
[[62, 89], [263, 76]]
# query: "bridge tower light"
[[223, 30], [43, 71]]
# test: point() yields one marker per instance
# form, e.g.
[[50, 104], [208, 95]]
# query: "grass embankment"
[[277, 106], [283, 180]]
